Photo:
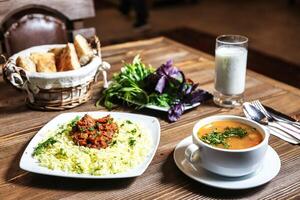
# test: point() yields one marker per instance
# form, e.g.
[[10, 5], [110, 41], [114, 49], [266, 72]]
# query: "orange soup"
[[230, 135]]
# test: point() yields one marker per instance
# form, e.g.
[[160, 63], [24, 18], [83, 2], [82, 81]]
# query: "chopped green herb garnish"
[[113, 143], [82, 129], [128, 122], [91, 129], [74, 121], [235, 132], [215, 137], [133, 131], [97, 133], [61, 132], [41, 146], [131, 141], [61, 153]]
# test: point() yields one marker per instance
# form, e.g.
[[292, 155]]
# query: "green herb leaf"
[[113, 143], [74, 121], [133, 131], [91, 128], [81, 129], [41, 146], [131, 141]]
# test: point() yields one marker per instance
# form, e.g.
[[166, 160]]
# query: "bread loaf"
[[45, 62], [57, 53], [83, 49], [68, 59], [26, 63]]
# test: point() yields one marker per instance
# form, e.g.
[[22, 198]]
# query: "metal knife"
[[280, 114]]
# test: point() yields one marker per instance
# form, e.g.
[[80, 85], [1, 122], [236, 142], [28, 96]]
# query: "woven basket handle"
[[14, 75], [104, 67]]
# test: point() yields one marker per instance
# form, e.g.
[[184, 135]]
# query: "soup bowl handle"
[[192, 153]]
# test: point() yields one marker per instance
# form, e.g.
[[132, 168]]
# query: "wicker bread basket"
[[58, 90]]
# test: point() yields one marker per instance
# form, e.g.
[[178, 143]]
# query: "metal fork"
[[284, 123], [259, 105]]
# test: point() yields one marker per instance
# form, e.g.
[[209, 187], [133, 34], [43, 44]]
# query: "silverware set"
[[280, 126]]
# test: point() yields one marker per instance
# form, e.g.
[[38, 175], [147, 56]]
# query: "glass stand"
[[228, 101]]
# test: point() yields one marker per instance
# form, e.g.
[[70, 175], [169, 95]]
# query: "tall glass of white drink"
[[230, 70]]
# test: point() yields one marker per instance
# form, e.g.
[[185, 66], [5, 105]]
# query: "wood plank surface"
[[162, 179]]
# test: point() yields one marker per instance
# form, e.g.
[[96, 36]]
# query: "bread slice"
[[26, 63], [68, 59], [57, 53], [45, 62], [83, 49]]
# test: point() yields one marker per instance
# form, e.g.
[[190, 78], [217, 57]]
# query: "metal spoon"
[[259, 117]]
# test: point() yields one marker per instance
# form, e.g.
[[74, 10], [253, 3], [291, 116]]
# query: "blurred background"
[[272, 26]]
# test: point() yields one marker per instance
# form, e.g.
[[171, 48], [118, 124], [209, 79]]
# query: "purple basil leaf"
[[149, 83], [161, 84], [164, 75], [173, 72], [175, 112], [186, 88], [162, 70], [176, 74], [169, 63], [197, 96], [166, 69], [195, 86], [170, 71]]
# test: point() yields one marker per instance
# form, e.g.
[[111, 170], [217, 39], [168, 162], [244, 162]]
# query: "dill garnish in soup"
[[230, 135]]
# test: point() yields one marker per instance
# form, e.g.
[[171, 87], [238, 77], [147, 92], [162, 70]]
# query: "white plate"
[[165, 109], [268, 170], [30, 164]]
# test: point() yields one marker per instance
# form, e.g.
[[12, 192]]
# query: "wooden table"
[[162, 179]]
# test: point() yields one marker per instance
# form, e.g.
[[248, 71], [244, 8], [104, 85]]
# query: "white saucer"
[[268, 170]]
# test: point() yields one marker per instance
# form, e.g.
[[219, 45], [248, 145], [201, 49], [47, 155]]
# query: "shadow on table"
[[14, 109], [17, 176], [180, 179], [12, 101]]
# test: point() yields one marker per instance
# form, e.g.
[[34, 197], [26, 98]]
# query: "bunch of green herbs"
[[139, 85], [128, 85]]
